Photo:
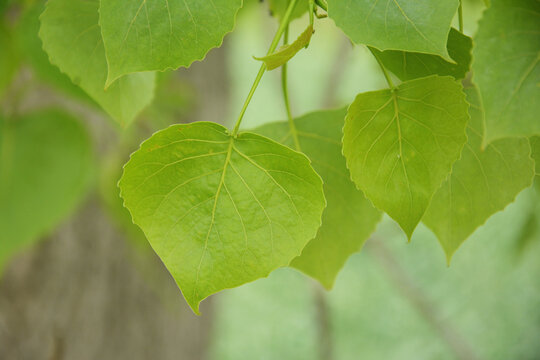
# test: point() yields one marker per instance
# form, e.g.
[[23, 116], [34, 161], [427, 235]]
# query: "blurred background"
[[91, 287]]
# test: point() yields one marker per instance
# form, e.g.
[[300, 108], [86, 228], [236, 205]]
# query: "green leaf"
[[409, 65], [9, 59], [287, 52], [31, 49], [349, 218], [142, 36], [279, 7], [220, 210], [400, 145], [505, 68], [408, 25], [72, 38], [482, 183], [45, 169]]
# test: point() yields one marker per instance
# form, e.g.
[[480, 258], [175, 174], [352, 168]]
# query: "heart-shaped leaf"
[[482, 183], [221, 210], [400, 144], [72, 38], [349, 219], [408, 25], [143, 36]]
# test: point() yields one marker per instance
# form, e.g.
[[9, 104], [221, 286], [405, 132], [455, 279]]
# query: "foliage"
[[222, 208]]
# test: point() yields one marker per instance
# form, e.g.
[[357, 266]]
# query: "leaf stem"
[[385, 72], [460, 16], [292, 126], [322, 4], [282, 27], [311, 11]]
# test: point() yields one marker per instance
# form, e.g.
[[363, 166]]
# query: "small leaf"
[[409, 65], [408, 25], [287, 52], [46, 164], [72, 38], [400, 145], [505, 68], [221, 211], [349, 218], [142, 36], [482, 183], [279, 7]]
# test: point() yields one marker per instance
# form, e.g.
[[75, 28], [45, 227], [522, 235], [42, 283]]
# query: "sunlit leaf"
[[144, 36], [400, 145], [482, 183], [45, 167], [220, 210], [505, 68], [349, 219], [287, 52], [408, 25], [72, 38]]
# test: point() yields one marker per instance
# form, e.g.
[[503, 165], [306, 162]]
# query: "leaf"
[[46, 164], [408, 25], [505, 68], [349, 218], [31, 49], [400, 145], [535, 154], [279, 7], [72, 38], [409, 65], [141, 36], [287, 52], [221, 211], [482, 183]]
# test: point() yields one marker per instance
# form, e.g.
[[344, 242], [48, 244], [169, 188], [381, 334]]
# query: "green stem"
[[282, 27], [460, 16], [292, 126], [385, 72], [322, 4], [311, 11]]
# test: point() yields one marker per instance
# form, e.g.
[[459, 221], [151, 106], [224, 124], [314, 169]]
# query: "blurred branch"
[[398, 275], [324, 327]]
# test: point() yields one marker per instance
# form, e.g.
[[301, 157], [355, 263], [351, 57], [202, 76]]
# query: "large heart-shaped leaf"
[[72, 38], [45, 167], [482, 182], [400, 144], [408, 25], [349, 219], [505, 68], [221, 210], [143, 36]]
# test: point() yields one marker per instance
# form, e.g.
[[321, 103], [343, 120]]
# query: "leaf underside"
[[349, 218], [72, 38], [483, 182], [400, 145], [221, 211], [396, 24], [410, 65], [506, 68]]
